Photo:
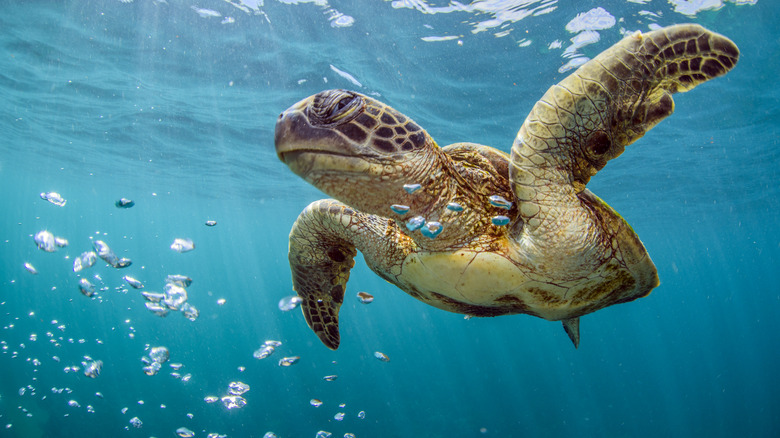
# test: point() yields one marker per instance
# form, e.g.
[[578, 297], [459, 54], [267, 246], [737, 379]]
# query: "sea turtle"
[[472, 230]]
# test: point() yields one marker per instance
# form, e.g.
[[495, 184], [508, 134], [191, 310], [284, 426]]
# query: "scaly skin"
[[564, 254], [322, 248]]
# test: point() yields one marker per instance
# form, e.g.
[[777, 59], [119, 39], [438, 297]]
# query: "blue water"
[[173, 105]]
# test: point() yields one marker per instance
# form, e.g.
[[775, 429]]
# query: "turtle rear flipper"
[[608, 103]]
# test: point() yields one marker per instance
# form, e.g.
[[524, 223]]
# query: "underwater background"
[[172, 104]]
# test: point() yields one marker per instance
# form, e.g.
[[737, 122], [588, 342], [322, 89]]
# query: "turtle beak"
[[304, 146], [295, 133], [291, 148], [287, 124]]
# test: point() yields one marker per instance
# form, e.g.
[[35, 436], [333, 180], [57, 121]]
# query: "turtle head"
[[354, 148]]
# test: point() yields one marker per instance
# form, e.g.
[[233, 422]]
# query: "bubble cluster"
[[233, 401], [184, 432], [46, 241], [54, 198], [174, 297], [157, 356], [92, 367], [411, 188], [500, 220], [85, 260], [454, 206], [500, 201], [266, 349], [399, 209], [30, 268], [415, 223], [365, 297], [237, 388], [135, 284], [136, 422], [182, 245], [289, 303], [86, 287], [173, 294], [124, 203], [289, 361], [431, 229]]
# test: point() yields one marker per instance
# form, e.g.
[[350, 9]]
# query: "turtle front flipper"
[[323, 244], [609, 102]]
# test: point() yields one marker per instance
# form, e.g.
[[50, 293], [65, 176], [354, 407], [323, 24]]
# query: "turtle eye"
[[341, 104], [343, 107], [333, 106]]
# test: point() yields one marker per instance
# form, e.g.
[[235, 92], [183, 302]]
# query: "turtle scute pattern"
[[378, 126]]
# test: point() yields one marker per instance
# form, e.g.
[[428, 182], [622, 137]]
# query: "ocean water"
[[173, 105]]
